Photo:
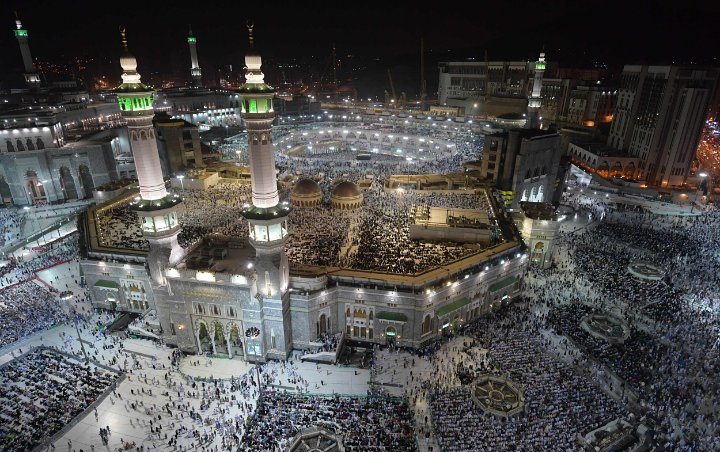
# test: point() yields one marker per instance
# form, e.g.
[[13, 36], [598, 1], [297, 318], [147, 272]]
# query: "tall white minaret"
[[267, 217], [32, 78], [535, 101], [195, 71], [156, 209]]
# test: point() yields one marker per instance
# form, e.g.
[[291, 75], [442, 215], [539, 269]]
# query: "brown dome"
[[345, 190], [306, 187]]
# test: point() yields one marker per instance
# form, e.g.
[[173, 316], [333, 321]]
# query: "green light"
[[135, 103], [21, 33], [192, 39], [540, 66]]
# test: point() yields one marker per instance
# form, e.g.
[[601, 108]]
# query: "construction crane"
[[392, 85]]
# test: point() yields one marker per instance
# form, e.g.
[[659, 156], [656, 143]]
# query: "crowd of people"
[[381, 424], [22, 267], [119, 227], [559, 403], [42, 392], [669, 361], [27, 308], [10, 225]]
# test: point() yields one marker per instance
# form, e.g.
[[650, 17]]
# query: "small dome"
[[345, 189], [306, 187]]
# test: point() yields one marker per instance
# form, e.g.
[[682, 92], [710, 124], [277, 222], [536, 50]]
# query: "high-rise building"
[[195, 71], [267, 218], [659, 118], [32, 78], [525, 162], [156, 208]]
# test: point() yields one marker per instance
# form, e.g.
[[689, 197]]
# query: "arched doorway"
[[426, 325], [538, 252], [236, 341], [35, 188], [204, 338], [323, 324], [5, 193], [221, 346], [67, 184], [390, 335], [87, 180]]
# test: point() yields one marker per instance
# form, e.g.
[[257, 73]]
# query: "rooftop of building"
[[601, 149], [539, 210]]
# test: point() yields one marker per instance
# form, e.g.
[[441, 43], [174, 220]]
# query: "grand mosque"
[[363, 253]]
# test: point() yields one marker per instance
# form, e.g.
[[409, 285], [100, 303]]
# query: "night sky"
[[572, 32]]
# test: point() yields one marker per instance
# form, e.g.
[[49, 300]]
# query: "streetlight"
[[702, 176], [180, 178]]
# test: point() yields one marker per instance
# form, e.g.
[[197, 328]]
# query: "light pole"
[[702, 177], [180, 177]]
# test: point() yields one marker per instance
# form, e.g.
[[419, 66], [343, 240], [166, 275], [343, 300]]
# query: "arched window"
[[254, 139], [29, 144], [371, 316], [20, 145], [10, 147], [264, 140], [39, 143]]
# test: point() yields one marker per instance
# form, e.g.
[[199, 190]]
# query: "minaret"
[[194, 65], [32, 78], [535, 101], [156, 208], [269, 310]]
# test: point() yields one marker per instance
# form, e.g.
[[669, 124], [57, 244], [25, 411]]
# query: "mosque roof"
[[306, 187], [345, 189]]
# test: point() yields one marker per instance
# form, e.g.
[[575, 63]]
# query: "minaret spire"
[[267, 216], [195, 71], [156, 209], [32, 78], [535, 98], [251, 40], [123, 39]]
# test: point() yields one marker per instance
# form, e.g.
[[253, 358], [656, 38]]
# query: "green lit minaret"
[[156, 208], [269, 308]]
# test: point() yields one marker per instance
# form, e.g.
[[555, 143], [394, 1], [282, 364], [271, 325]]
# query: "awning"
[[392, 316], [105, 284], [454, 306], [503, 283]]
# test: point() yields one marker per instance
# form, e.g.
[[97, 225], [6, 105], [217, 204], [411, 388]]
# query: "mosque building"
[[243, 298]]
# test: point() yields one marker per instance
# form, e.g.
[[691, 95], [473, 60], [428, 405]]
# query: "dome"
[[346, 196], [345, 189], [306, 193], [306, 187]]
